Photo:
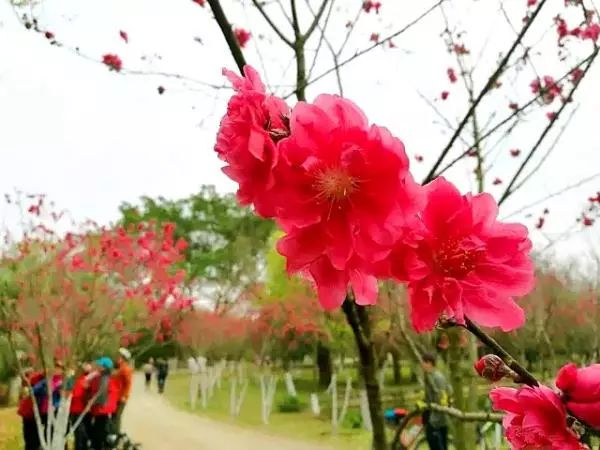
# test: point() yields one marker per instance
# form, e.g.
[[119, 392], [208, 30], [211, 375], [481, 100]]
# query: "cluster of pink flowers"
[[588, 31], [546, 88], [341, 190], [537, 415]]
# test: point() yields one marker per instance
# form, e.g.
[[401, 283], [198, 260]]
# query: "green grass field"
[[10, 430], [300, 425]]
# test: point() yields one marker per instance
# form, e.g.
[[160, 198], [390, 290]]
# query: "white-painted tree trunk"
[[332, 389], [289, 384], [268, 385], [364, 411], [347, 394], [236, 400], [194, 386], [314, 404], [203, 380]]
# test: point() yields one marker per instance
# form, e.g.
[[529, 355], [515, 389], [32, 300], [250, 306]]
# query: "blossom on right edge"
[[535, 418], [581, 391], [460, 261]]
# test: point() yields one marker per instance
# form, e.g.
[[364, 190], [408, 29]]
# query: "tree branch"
[[316, 20], [488, 86], [274, 27], [225, 26], [453, 412]]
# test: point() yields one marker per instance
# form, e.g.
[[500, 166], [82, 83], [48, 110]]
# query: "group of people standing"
[[98, 392]]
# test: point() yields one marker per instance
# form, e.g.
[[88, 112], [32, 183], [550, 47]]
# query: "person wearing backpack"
[[104, 390]]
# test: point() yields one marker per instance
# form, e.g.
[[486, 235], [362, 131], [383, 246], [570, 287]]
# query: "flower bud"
[[491, 367]]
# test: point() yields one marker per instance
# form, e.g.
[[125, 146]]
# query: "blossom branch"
[[509, 189], [524, 376], [491, 82], [227, 31], [508, 118]]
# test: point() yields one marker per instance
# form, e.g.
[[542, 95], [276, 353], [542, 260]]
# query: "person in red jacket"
[[26, 411], [79, 400], [104, 389]]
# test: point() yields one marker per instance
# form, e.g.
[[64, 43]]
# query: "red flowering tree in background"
[[288, 329], [214, 335], [76, 297]]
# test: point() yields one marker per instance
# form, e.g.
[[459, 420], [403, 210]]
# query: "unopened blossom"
[[581, 392], [112, 61], [515, 152], [551, 115], [123, 35], [540, 223], [200, 2], [444, 95], [369, 5], [497, 181], [587, 221], [374, 37], [460, 49], [460, 261], [248, 138], [535, 419], [49, 35], [242, 36], [492, 368], [345, 193], [576, 75], [531, 2], [451, 75]]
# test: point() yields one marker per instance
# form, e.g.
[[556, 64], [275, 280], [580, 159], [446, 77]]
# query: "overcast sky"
[[91, 139]]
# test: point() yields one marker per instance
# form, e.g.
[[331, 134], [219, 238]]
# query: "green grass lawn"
[[300, 425], [10, 430]]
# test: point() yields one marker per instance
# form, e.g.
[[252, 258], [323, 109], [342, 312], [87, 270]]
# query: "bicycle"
[[413, 435], [121, 442]]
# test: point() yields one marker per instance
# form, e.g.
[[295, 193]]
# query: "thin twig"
[[316, 20], [553, 194], [549, 151], [368, 49], [274, 27]]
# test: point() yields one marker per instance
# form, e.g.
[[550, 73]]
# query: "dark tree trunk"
[[324, 364], [358, 319], [396, 367]]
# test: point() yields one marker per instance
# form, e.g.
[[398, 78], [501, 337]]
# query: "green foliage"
[[290, 404], [226, 242], [279, 284], [353, 420]]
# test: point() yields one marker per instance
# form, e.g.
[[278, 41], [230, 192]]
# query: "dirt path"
[[151, 420]]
